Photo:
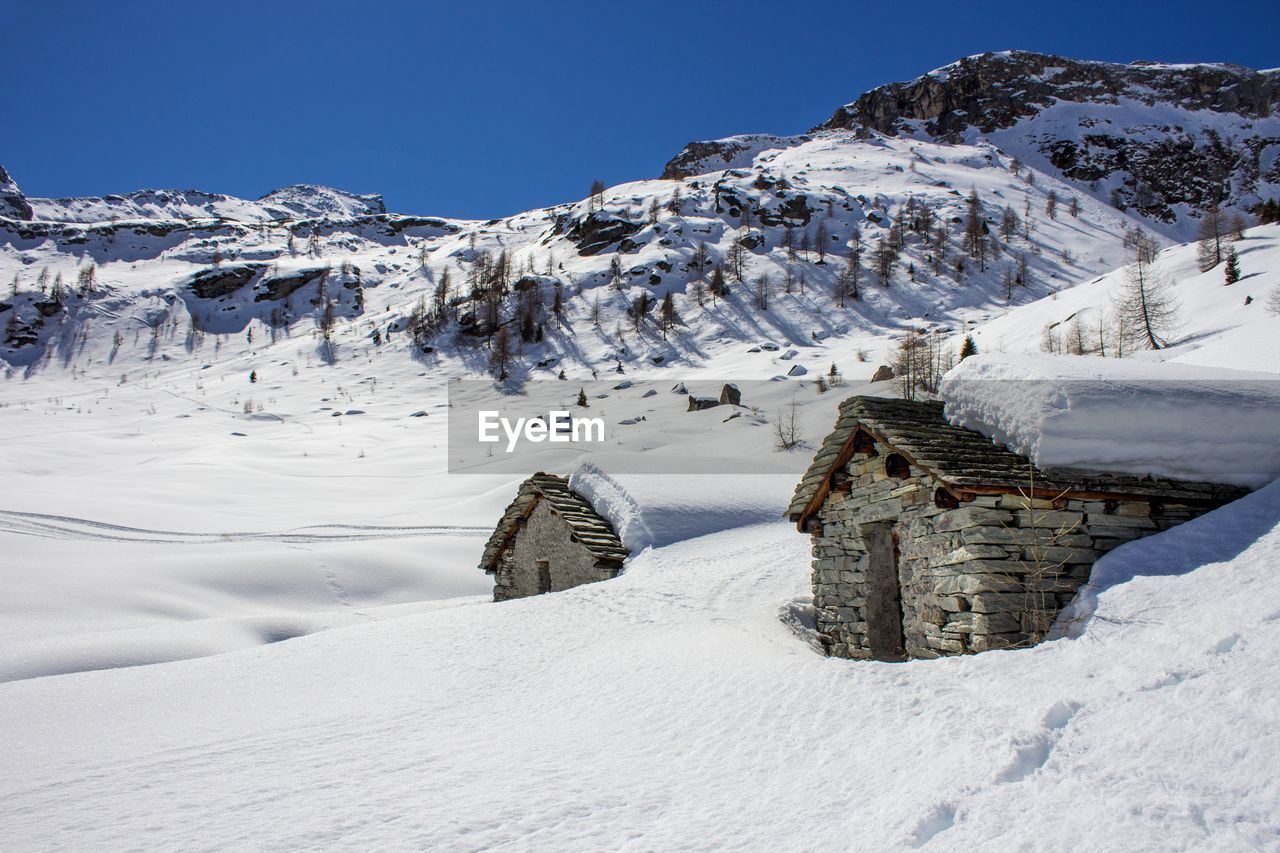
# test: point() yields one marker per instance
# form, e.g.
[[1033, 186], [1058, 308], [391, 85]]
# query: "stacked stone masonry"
[[550, 539], [908, 565]]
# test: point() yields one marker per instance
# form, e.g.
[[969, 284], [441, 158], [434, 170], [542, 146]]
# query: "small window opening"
[[896, 466], [943, 499], [544, 576]]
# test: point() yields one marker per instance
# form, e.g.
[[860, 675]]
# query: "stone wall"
[[545, 537], [989, 573]]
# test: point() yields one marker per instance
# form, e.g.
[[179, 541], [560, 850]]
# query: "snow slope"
[[1220, 325]]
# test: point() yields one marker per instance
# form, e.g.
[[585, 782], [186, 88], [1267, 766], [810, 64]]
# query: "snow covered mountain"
[[781, 230], [301, 201], [1163, 140]]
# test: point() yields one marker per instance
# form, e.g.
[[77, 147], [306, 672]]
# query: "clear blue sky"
[[479, 109]]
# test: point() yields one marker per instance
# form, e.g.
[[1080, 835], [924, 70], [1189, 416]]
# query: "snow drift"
[[1146, 418]]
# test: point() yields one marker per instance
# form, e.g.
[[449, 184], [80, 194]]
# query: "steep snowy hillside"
[[1231, 326], [1164, 140], [579, 286]]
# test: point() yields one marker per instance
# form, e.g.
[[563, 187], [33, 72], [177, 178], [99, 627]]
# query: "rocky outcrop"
[[794, 211], [13, 204], [597, 231], [283, 285], [993, 91], [699, 404], [698, 158], [222, 281]]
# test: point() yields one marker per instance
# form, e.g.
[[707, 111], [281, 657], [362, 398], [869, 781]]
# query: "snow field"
[[648, 711]]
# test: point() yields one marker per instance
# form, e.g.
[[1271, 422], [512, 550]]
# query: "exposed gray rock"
[[597, 231], [700, 157], [283, 285], [221, 281], [13, 204]]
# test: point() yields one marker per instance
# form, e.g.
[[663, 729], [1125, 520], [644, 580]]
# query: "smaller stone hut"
[[929, 540], [550, 539]]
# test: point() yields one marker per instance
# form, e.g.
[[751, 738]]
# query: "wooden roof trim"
[[492, 563], [842, 457]]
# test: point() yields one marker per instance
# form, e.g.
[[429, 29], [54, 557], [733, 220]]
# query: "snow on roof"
[[1141, 418], [961, 458], [654, 510], [591, 529]]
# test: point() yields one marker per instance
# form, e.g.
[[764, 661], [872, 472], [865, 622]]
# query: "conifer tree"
[[500, 356], [1233, 266], [667, 315], [719, 289], [1209, 251], [883, 259], [972, 223]]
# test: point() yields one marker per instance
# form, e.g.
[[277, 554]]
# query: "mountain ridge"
[[1165, 139]]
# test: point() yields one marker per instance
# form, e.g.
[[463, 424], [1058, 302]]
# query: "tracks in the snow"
[[67, 527]]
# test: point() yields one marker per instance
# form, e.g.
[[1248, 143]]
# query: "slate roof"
[[589, 527], [967, 460]]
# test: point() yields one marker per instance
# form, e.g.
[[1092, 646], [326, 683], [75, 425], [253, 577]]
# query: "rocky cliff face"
[[994, 91], [1164, 141], [734, 152], [13, 204]]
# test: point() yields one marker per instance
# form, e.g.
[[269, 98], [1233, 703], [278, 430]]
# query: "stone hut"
[[550, 539], [929, 540]]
